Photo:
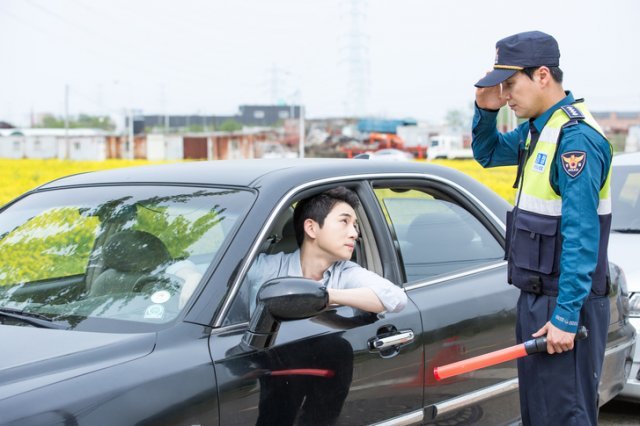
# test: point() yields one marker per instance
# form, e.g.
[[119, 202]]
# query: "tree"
[[195, 128], [457, 120], [95, 122], [103, 122], [230, 125]]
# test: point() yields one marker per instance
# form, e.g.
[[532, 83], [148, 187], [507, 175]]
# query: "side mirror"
[[283, 299]]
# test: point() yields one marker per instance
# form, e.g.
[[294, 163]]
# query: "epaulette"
[[572, 112]]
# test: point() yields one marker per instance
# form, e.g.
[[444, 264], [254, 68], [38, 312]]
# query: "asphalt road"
[[619, 413]]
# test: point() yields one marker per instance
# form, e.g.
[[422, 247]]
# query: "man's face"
[[337, 236], [523, 95]]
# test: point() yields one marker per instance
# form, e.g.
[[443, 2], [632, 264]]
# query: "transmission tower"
[[355, 55]]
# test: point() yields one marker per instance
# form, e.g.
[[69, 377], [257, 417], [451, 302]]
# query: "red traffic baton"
[[496, 357]]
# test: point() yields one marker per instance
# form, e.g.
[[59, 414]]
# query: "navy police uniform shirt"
[[580, 170]]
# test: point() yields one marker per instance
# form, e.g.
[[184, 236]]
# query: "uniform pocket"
[[535, 242]]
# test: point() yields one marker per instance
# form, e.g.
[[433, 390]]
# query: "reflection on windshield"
[[125, 253], [625, 198]]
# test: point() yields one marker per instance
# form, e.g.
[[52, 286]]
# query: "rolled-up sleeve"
[[391, 296]]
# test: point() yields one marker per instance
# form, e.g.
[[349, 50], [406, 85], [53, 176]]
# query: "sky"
[[396, 59]]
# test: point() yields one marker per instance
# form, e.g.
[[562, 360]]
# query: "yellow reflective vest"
[[534, 241]]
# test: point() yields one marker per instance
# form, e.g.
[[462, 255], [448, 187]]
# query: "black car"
[[101, 325]]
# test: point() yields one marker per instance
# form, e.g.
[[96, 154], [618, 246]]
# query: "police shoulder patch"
[[573, 162], [572, 112]]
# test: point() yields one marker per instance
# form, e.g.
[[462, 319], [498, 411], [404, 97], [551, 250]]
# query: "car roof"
[[249, 173], [278, 175], [627, 159]]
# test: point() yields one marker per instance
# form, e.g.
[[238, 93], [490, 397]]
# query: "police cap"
[[519, 51]]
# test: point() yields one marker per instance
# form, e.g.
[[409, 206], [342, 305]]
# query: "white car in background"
[[624, 247]]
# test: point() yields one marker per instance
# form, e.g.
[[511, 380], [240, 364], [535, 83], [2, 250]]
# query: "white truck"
[[449, 146]]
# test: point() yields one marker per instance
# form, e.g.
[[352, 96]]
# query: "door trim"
[[475, 397]]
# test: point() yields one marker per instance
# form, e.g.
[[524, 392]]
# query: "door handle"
[[401, 338]]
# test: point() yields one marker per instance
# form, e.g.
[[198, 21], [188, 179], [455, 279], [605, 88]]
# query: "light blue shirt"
[[341, 275]]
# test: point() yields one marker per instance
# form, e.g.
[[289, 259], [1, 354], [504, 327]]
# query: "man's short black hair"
[[319, 206], [556, 73]]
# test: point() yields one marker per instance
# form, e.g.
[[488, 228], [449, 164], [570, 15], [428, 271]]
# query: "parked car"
[[623, 243], [102, 322]]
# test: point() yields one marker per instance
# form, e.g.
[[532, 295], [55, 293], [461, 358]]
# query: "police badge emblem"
[[573, 162]]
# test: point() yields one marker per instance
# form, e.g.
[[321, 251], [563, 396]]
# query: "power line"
[[182, 74]]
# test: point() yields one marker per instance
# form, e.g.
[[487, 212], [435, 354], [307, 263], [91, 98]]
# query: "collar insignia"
[[573, 162]]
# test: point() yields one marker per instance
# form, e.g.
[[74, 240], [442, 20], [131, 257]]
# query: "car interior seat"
[[128, 255], [286, 240]]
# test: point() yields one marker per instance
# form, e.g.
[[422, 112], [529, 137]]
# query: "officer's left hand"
[[558, 341]]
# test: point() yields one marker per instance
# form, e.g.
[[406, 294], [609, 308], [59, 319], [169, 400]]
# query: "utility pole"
[[165, 116], [301, 143], [131, 137], [67, 147]]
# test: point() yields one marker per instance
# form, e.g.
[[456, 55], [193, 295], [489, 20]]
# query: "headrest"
[[288, 230], [134, 251]]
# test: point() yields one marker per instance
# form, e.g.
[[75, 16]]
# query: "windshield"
[[625, 198], [132, 254]]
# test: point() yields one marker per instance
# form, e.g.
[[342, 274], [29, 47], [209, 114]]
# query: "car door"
[[342, 366], [452, 257]]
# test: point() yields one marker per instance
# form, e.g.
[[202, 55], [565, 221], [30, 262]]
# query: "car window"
[[270, 259], [125, 253], [625, 198], [433, 234]]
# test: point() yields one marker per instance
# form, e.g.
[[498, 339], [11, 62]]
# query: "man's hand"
[[558, 341], [490, 97]]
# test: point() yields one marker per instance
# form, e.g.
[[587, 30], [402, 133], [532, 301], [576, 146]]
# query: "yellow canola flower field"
[[19, 176], [500, 179]]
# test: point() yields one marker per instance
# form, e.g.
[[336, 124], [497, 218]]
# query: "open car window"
[[433, 234], [280, 241], [131, 254]]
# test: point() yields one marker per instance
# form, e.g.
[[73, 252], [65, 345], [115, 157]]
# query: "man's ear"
[[543, 76], [311, 228]]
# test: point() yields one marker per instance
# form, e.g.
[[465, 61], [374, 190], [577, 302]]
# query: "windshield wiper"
[[32, 318], [627, 230]]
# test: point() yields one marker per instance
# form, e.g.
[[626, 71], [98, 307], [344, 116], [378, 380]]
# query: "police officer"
[[557, 233]]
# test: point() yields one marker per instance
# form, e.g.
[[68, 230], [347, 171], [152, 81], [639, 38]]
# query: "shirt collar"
[[541, 121], [330, 271]]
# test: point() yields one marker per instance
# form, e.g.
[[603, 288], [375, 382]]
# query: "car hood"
[[35, 357], [622, 252]]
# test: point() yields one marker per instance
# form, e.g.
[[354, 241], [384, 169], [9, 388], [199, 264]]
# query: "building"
[[248, 116], [72, 144], [617, 122], [203, 146], [98, 145]]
